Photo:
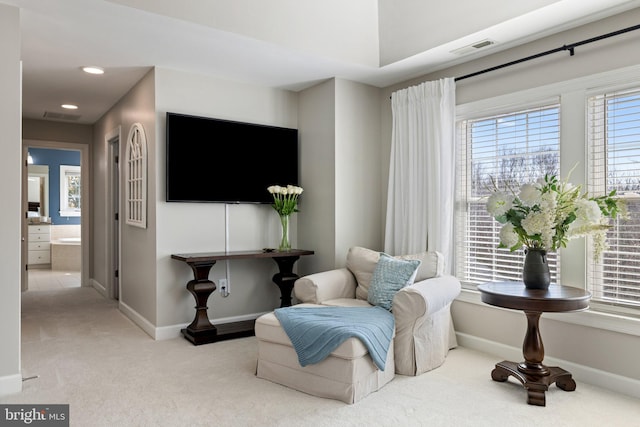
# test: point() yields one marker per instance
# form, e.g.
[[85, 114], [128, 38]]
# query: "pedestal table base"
[[536, 385]]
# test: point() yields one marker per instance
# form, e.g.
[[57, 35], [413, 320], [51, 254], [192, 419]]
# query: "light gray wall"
[[99, 200], [47, 130], [317, 222], [332, 145], [357, 156], [200, 227], [138, 291], [340, 159], [10, 217], [590, 346]]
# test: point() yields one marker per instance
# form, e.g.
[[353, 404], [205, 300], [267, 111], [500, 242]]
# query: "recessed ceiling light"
[[69, 106], [93, 70]]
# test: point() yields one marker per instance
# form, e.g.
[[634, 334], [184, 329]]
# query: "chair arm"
[[327, 285], [424, 298], [424, 332]]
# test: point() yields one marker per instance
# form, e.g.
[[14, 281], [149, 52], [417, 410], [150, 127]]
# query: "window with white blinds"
[[614, 164], [510, 149]]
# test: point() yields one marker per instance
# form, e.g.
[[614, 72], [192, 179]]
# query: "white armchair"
[[424, 328]]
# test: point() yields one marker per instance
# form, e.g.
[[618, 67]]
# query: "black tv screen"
[[213, 160]]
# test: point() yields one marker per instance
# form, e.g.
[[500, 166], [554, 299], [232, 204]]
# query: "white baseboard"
[[98, 287], [10, 384], [599, 378], [138, 319], [173, 331]]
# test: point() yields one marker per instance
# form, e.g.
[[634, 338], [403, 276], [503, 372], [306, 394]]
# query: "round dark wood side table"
[[532, 373]]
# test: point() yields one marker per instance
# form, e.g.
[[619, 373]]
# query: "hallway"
[[49, 280]]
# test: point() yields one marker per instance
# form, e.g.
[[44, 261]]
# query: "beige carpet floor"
[[88, 355]]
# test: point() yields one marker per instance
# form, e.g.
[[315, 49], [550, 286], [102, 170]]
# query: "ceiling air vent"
[[60, 116], [473, 47]]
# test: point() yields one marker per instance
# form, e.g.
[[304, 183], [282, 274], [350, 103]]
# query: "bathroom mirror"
[[38, 190]]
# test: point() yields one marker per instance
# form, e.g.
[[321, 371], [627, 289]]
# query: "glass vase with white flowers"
[[544, 215], [285, 202]]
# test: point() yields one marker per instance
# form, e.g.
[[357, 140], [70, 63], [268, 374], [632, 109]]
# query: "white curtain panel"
[[420, 198]]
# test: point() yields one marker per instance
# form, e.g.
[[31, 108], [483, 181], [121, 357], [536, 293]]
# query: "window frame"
[[596, 188], [65, 209], [573, 97], [465, 199]]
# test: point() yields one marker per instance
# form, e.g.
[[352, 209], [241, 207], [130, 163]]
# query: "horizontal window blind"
[[509, 149], [614, 164]]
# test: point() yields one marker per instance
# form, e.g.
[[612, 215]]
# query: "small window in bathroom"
[[69, 190]]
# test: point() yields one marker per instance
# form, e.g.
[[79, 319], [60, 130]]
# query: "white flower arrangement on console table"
[[285, 202]]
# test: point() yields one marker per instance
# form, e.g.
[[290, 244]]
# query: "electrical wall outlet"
[[224, 287]]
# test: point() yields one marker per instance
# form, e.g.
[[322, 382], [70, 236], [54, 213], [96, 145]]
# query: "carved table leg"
[[532, 347], [201, 331], [565, 382], [536, 397], [285, 278], [500, 374]]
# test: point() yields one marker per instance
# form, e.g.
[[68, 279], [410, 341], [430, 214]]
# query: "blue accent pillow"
[[390, 275]]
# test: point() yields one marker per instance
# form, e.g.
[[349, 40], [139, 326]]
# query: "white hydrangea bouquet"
[[546, 214]]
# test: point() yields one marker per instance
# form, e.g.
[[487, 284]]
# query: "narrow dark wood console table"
[[532, 373], [201, 330]]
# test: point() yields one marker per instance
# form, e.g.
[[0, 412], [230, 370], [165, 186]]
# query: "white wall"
[[10, 217], [592, 346]]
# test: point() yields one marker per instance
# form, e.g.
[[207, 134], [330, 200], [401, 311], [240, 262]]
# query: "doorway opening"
[[55, 229], [113, 225]]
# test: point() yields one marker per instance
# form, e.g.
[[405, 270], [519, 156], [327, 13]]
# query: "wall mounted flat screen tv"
[[214, 160]]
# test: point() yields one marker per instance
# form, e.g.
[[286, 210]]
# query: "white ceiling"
[[289, 44]]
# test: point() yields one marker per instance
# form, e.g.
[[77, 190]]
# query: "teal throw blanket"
[[316, 331]]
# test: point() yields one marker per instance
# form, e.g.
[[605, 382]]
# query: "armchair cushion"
[[431, 264], [389, 276], [315, 332], [361, 262]]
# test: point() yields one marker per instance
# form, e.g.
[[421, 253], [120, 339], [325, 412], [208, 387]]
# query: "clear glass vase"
[[285, 244]]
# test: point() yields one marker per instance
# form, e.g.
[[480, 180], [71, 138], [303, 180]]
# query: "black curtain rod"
[[570, 48]]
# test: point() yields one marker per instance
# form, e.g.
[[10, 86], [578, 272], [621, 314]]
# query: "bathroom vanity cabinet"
[[39, 244]]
